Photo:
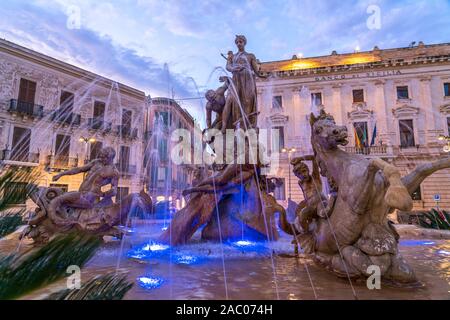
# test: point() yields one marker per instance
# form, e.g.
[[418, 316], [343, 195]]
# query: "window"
[[280, 191], [164, 117], [361, 138], [162, 150], [95, 149], [277, 102], [122, 192], [99, 110], [126, 118], [358, 95], [402, 92], [447, 89], [20, 144], [277, 138], [417, 195], [15, 192], [66, 102], [27, 91], [62, 148], [162, 173], [124, 158], [406, 134], [448, 125], [63, 187], [316, 99]]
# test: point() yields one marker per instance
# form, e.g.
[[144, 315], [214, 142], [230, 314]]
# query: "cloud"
[[45, 30]]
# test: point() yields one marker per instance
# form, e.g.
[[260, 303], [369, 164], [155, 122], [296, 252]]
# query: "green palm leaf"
[[20, 274]]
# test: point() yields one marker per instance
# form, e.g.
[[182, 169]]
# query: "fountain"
[[218, 245]]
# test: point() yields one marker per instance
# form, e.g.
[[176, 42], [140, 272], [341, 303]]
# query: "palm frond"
[[9, 222], [111, 286], [435, 219], [20, 274], [9, 195]]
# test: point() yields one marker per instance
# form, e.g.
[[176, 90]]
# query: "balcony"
[[373, 150], [26, 108], [64, 117], [126, 132], [61, 162], [26, 158], [99, 125], [126, 168]]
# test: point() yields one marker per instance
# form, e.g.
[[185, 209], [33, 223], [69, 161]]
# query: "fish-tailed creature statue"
[[102, 219], [89, 209]]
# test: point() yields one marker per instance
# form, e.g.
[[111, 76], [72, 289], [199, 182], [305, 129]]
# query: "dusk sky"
[[131, 40]]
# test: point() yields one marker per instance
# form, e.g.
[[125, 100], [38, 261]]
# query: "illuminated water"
[[196, 271]]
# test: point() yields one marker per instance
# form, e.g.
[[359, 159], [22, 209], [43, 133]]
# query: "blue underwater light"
[[413, 243], [444, 253], [148, 250], [244, 244], [248, 245], [155, 247], [186, 259], [149, 283]]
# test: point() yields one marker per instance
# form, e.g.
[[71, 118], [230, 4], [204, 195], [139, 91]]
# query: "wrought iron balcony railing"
[[99, 124], [65, 117], [26, 157], [61, 162], [126, 132], [26, 108], [373, 150]]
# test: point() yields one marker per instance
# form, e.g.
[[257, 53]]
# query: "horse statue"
[[356, 234]]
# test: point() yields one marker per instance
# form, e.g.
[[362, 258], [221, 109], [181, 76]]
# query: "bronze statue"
[[243, 106], [216, 103], [100, 172], [88, 210], [357, 233], [316, 204], [218, 200]]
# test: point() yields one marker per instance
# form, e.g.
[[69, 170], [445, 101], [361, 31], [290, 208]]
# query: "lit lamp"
[[446, 148], [87, 141]]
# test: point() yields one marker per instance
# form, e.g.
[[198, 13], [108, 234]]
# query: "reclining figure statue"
[[89, 209]]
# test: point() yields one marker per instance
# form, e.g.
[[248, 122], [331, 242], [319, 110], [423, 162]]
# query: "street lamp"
[[446, 148], [87, 141], [289, 151]]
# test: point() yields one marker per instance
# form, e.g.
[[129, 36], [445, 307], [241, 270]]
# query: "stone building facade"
[[165, 179], [56, 116], [395, 104]]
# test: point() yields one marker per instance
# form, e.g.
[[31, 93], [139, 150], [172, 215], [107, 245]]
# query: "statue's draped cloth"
[[245, 85]]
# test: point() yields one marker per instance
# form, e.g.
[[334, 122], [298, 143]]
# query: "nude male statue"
[[100, 172], [315, 203], [216, 103]]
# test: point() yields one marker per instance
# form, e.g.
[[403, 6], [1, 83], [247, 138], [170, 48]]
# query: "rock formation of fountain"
[[234, 201]]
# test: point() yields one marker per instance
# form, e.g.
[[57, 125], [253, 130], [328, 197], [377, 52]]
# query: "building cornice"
[[20, 52], [370, 61]]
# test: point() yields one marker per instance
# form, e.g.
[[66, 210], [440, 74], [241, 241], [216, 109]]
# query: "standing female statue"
[[244, 68]]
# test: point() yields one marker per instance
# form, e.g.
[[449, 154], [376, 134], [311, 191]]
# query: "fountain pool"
[[195, 271]]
